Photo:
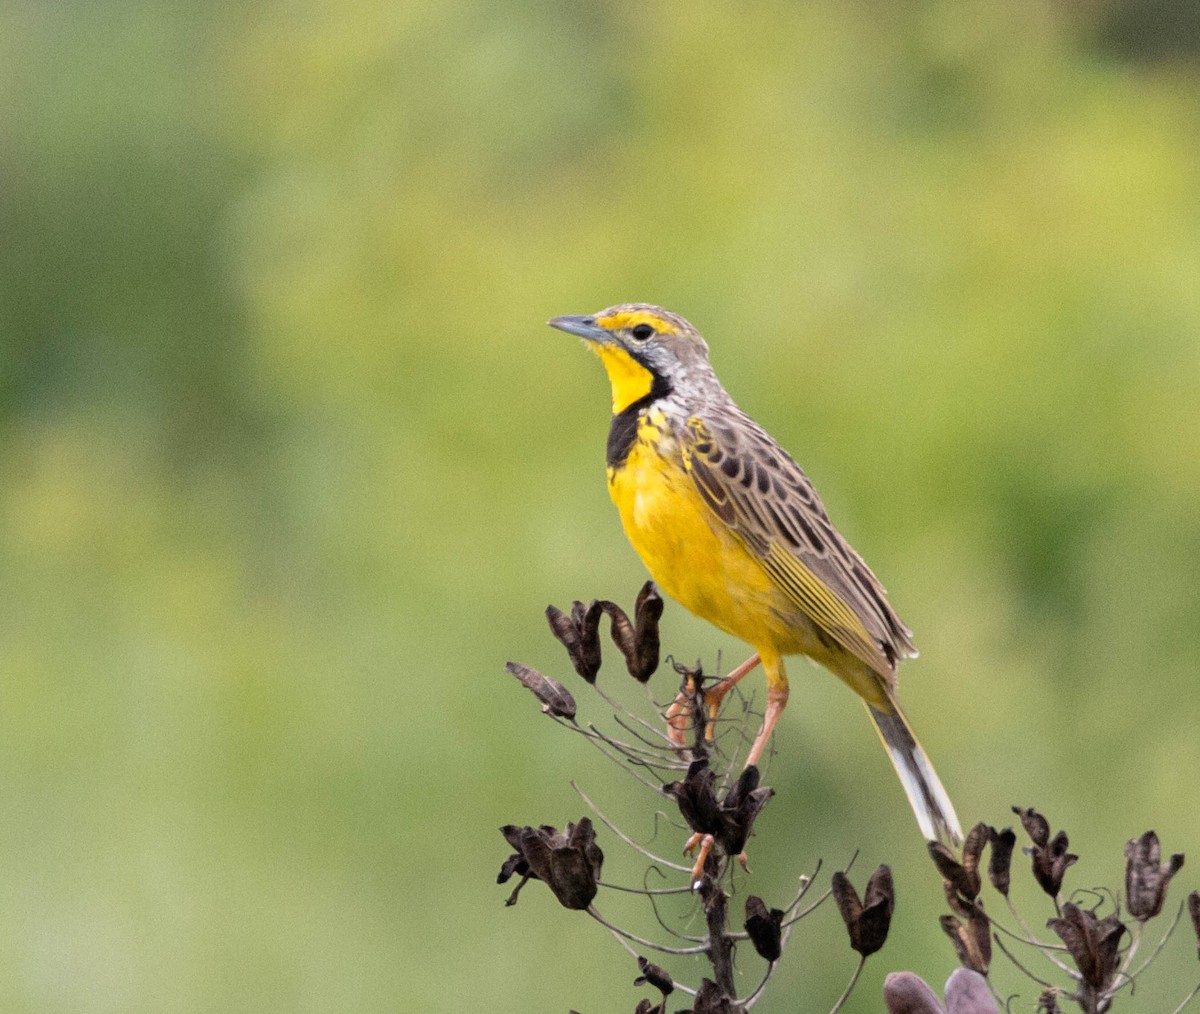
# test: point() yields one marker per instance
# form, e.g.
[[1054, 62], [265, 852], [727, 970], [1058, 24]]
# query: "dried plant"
[[1093, 960], [718, 808]]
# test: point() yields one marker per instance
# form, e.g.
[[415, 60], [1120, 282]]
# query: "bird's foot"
[[705, 842], [680, 716], [679, 719]]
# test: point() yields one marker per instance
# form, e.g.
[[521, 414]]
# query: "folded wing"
[[765, 498]]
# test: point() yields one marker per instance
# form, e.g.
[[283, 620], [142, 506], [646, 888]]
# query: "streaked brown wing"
[[766, 499]]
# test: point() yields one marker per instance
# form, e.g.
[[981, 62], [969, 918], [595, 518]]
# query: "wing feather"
[[765, 498]]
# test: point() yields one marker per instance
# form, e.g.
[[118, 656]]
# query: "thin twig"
[[662, 922], [667, 753], [1045, 949], [849, 986], [752, 999], [821, 900], [626, 764], [620, 709], [806, 882], [651, 755], [625, 838], [1041, 982], [647, 891], [1157, 951], [591, 910], [1187, 999], [1033, 941]]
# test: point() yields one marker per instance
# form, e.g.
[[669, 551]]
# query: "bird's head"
[[647, 351]]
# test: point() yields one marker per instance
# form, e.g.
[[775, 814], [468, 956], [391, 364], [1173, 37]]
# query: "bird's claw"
[[706, 842]]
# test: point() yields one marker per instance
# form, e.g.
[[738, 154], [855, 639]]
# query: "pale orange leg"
[[716, 694], [706, 843], [679, 714], [679, 717], [777, 695]]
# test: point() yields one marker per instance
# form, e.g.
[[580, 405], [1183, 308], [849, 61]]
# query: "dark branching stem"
[[720, 944]]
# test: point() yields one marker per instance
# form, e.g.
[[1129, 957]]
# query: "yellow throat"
[[630, 380]]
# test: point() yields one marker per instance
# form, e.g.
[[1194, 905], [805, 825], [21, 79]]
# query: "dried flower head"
[[1094, 944], [962, 876], [972, 940], [556, 699], [740, 809], [568, 861], [655, 976], [729, 820], [1146, 881], [1050, 855], [1000, 861], [638, 641], [579, 633], [696, 798], [765, 928], [867, 921]]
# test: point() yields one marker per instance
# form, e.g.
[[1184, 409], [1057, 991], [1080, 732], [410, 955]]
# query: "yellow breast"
[[689, 551]]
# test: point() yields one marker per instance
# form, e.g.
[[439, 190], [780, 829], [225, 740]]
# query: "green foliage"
[[290, 463]]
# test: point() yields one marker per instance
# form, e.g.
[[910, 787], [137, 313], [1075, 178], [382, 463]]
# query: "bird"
[[730, 526]]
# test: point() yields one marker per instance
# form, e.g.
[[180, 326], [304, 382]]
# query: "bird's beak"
[[583, 327]]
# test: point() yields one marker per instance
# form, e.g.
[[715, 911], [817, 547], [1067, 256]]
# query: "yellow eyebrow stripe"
[[632, 318]]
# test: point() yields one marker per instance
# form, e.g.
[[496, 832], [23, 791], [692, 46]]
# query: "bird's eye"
[[642, 332]]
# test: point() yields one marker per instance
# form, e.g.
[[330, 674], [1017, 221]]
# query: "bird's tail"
[[928, 799]]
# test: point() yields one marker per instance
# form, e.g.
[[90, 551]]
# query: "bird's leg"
[[716, 693], [777, 695], [679, 715]]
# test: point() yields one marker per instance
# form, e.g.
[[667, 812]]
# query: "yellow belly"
[[699, 562], [693, 556]]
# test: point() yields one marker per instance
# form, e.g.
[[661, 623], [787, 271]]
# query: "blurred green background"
[[290, 464]]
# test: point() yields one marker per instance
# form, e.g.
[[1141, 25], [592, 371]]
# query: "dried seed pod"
[[655, 976], [1000, 861], [637, 640], [579, 633], [962, 876], [972, 939], [696, 798], [647, 611], [556, 699], [1094, 944], [1048, 1001], [765, 928], [867, 921], [1146, 881], [1050, 856], [569, 861], [740, 809], [730, 820]]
